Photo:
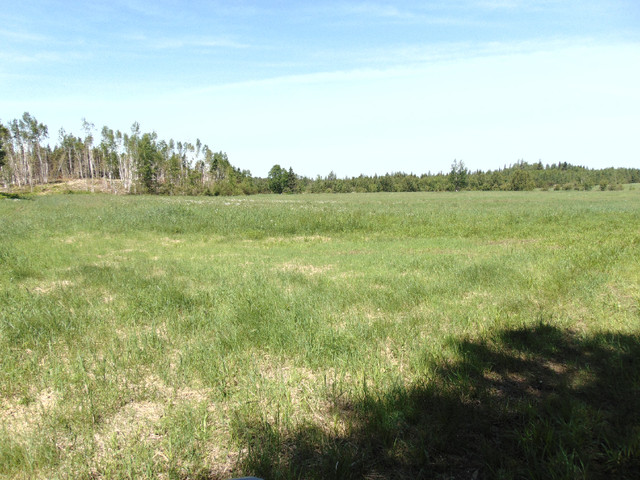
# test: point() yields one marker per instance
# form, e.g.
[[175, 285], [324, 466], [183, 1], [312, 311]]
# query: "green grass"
[[321, 336]]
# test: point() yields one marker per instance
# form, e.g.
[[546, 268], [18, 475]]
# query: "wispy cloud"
[[431, 14], [8, 58], [150, 9], [534, 5], [178, 42], [500, 4], [209, 42], [172, 10], [23, 36], [377, 10], [389, 56], [404, 61]]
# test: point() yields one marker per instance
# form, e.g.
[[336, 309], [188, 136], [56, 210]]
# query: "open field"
[[458, 335]]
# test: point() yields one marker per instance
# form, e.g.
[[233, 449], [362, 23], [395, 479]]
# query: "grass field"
[[458, 335]]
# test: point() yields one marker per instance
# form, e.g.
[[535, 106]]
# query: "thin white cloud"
[[500, 4], [151, 9], [173, 10], [402, 61], [212, 42], [574, 6], [424, 15], [169, 43], [23, 36], [377, 10], [40, 57], [416, 54]]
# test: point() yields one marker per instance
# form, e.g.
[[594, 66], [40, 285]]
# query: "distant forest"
[[141, 163]]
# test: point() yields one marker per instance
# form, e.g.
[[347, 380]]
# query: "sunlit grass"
[[204, 337]]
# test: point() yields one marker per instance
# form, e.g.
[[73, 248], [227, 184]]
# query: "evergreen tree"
[[4, 134], [292, 181], [148, 159]]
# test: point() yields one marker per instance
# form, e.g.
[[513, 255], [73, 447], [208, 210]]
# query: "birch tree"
[[88, 149]]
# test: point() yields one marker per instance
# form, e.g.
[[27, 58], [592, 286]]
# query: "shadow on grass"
[[15, 196], [529, 403]]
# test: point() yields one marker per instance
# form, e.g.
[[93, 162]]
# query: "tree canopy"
[[140, 162]]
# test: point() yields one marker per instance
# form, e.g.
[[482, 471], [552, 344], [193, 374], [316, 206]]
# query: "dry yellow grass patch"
[[290, 395], [135, 418], [312, 238], [45, 288], [171, 393], [624, 297], [136, 422], [166, 241], [21, 419], [158, 273], [514, 241], [304, 268], [296, 239]]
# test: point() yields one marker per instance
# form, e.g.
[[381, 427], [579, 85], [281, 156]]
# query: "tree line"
[[138, 162], [520, 176]]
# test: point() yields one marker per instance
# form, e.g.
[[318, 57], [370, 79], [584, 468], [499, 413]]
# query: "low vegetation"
[[423, 335]]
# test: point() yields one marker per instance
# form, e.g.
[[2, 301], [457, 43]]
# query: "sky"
[[362, 87]]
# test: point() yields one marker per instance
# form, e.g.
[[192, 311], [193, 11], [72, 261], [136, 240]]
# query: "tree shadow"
[[537, 402], [15, 196]]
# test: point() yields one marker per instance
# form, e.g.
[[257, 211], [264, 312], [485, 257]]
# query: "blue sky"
[[351, 87]]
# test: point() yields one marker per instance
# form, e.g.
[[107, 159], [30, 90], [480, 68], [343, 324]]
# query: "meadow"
[[411, 335]]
